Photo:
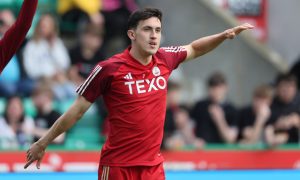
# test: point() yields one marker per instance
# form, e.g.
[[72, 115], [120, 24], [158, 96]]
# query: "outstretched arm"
[[13, 38], [66, 121], [203, 45]]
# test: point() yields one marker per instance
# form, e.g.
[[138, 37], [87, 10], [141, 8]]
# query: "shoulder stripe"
[[80, 90], [82, 85]]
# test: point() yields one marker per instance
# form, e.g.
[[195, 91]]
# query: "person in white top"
[[46, 57], [15, 127]]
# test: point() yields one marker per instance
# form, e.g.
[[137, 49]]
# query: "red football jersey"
[[135, 96]]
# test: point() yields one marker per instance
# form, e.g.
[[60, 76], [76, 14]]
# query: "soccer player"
[[15, 35], [134, 87]]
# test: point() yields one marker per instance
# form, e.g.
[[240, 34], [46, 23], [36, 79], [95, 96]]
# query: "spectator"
[[46, 115], [283, 126], [116, 13], [7, 19], [183, 136], [215, 118], [45, 56], [253, 119], [87, 53], [15, 127]]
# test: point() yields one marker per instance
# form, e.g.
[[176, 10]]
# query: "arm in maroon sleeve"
[[13, 38]]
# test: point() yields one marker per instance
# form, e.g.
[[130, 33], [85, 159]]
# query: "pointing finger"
[[28, 163]]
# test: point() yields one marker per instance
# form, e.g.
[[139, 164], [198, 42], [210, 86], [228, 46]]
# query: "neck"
[[143, 58]]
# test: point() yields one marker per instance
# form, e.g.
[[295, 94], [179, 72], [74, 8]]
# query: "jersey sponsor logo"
[[156, 71], [128, 76], [147, 85]]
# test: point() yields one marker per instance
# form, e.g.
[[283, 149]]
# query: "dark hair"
[[141, 15], [216, 79], [286, 77], [8, 101]]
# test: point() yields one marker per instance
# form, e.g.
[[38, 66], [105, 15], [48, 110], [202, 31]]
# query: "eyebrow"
[[151, 27]]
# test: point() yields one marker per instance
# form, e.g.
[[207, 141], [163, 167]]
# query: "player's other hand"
[[231, 33], [35, 153]]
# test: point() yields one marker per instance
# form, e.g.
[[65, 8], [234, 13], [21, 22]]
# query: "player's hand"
[[35, 153], [231, 33]]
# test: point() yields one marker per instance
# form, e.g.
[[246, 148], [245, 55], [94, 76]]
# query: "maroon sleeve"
[[97, 83], [173, 55], [13, 38]]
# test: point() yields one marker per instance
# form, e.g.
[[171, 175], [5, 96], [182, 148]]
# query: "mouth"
[[153, 44]]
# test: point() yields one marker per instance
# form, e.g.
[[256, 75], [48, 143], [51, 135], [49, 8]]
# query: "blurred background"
[[233, 113]]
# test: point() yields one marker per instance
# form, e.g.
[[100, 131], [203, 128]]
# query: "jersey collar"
[[136, 62]]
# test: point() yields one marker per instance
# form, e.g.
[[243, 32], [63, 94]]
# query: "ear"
[[131, 34]]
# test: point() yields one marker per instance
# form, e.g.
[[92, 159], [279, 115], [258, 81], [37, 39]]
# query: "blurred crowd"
[[272, 118], [68, 43]]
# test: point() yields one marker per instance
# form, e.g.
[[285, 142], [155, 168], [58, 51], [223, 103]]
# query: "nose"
[[153, 35]]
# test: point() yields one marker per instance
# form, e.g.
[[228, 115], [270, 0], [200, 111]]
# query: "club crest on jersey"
[[156, 71]]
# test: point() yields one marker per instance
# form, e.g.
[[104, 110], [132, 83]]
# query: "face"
[[181, 118], [46, 27], [91, 41], [286, 91], [259, 102], [218, 93], [15, 109], [7, 19], [41, 99], [147, 35]]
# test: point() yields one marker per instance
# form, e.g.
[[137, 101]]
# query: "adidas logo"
[[128, 76]]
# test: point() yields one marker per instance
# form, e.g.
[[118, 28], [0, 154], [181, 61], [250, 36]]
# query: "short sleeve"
[[96, 84], [173, 55]]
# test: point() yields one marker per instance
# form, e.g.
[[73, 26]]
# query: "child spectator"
[[253, 119], [46, 115], [86, 54]]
